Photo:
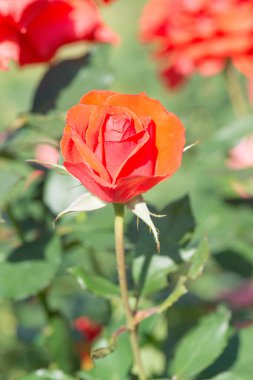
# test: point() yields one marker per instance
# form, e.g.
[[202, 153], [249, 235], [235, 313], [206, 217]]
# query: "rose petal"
[[170, 136], [89, 157], [126, 188], [65, 22], [244, 63], [41, 27], [73, 144], [96, 97], [98, 118], [77, 119], [117, 155], [91, 181], [129, 187], [142, 160]]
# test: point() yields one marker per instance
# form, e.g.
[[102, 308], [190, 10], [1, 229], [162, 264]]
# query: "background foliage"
[[49, 277]]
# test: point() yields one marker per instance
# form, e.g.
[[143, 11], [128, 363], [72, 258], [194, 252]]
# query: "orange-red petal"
[[96, 97], [170, 134]]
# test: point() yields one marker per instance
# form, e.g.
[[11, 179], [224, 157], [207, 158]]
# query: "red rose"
[[199, 36], [119, 146], [32, 30]]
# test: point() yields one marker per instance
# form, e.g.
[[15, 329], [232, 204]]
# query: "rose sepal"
[[138, 206], [85, 202], [59, 169]]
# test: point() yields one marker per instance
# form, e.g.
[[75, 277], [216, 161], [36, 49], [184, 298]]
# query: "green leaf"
[[244, 358], [230, 376], [30, 268], [45, 374], [228, 136], [202, 345], [156, 274], [12, 177], [99, 286], [199, 259], [116, 365], [36, 129], [179, 223], [60, 344], [242, 368]]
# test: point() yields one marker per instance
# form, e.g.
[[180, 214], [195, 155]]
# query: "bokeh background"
[[207, 198]]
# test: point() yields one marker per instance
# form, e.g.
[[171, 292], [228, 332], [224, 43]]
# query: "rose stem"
[[120, 255], [236, 94]]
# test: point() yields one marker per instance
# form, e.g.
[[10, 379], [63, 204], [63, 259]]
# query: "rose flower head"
[[119, 146], [31, 31], [199, 36]]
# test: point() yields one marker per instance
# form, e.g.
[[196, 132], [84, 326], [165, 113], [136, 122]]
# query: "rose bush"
[[119, 146], [32, 30], [199, 36]]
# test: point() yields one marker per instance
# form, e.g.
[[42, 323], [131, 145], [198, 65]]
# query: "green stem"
[[120, 255], [236, 94]]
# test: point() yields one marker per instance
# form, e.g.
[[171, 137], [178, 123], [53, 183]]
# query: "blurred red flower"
[[241, 156], [121, 145], [240, 297], [199, 35], [43, 153], [32, 30], [88, 330]]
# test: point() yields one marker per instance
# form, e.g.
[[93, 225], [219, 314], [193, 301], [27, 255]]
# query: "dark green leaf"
[[242, 368], [61, 345], [174, 230], [156, 274], [199, 258], [99, 286], [12, 177], [61, 75], [202, 345], [230, 376], [30, 268], [65, 83], [116, 365]]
